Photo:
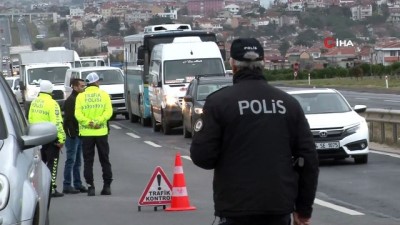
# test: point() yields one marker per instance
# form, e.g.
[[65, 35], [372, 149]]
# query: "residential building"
[[90, 44], [360, 12], [386, 53], [76, 12], [341, 56], [295, 6], [206, 8], [232, 8]]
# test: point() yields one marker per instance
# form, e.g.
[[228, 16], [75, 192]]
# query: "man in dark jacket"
[[258, 141], [73, 142]]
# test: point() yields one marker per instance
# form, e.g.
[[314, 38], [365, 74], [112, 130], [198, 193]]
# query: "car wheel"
[[126, 116], [143, 121], [132, 118], [165, 126], [186, 133], [362, 159], [154, 125]]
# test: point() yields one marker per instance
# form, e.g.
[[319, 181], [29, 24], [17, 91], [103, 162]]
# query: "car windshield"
[[183, 71], [108, 76], [55, 75], [88, 63], [205, 89], [317, 103]]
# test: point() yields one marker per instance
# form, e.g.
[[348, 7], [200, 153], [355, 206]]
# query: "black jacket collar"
[[246, 74]]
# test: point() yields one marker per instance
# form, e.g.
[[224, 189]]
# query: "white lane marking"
[[362, 98], [133, 135], [386, 153], [115, 127], [337, 207], [391, 100], [186, 157], [152, 144]]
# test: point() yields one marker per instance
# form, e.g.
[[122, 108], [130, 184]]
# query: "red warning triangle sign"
[[158, 190]]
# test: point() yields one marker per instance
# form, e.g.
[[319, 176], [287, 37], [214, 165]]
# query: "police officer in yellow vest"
[[45, 109], [93, 109]]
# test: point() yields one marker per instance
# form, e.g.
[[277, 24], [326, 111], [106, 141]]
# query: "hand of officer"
[[59, 145], [300, 220]]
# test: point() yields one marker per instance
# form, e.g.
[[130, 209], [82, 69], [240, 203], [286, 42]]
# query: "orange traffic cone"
[[180, 198]]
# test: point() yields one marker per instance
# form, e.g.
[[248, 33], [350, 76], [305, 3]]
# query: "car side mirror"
[[188, 98], [360, 108]]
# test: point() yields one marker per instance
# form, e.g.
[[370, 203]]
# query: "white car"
[[339, 131], [13, 82]]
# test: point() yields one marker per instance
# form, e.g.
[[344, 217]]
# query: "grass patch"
[[366, 82]]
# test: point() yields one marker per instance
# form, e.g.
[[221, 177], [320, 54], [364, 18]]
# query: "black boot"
[[91, 190], [106, 190], [56, 194]]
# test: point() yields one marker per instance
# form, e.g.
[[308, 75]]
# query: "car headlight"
[[171, 100], [4, 191], [353, 129], [198, 110]]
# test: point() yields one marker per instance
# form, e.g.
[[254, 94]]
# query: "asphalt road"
[[24, 36], [347, 193]]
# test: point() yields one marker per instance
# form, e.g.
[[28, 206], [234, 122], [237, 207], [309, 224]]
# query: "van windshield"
[[55, 75], [108, 76], [183, 71]]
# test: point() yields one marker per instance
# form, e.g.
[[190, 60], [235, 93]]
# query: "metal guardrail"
[[384, 126]]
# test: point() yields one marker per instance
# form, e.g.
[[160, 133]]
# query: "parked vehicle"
[[112, 82], [195, 97], [137, 51], [339, 131], [24, 178], [89, 61], [44, 65], [13, 82], [170, 75]]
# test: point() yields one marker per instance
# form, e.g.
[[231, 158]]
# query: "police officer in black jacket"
[[259, 143]]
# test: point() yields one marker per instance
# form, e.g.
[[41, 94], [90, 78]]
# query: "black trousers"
[[50, 155], [89, 143], [256, 220]]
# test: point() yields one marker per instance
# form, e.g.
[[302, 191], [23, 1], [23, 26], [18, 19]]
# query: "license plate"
[[327, 145]]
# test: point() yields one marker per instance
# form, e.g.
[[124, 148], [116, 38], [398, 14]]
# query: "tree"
[[306, 38], [283, 47], [39, 45], [64, 26], [155, 20], [131, 30], [183, 11], [113, 25], [261, 10]]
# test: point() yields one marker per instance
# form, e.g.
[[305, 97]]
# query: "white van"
[[172, 67], [112, 83]]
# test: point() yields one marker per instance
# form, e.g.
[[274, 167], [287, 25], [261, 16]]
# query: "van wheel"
[[144, 121], [154, 125], [186, 133], [165, 126], [132, 118]]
